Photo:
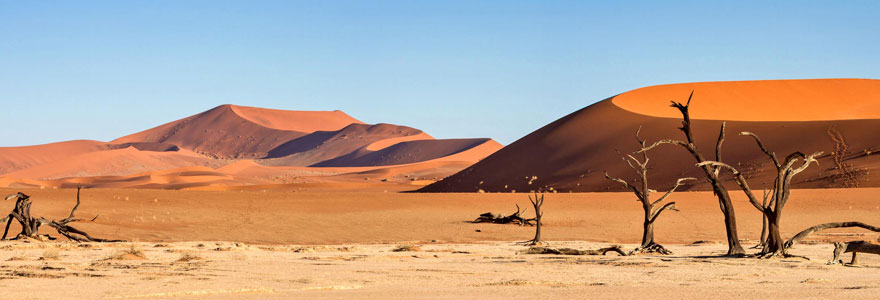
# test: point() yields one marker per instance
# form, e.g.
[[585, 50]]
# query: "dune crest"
[[764, 100]]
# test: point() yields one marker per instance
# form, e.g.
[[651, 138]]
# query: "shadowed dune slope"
[[229, 131], [409, 152], [325, 145], [571, 153]]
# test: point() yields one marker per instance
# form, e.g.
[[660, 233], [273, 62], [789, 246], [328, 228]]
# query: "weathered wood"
[[772, 243], [643, 195], [804, 233], [734, 248], [570, 251], [854, 247], [537, 203], [30, 226], [514, 218]]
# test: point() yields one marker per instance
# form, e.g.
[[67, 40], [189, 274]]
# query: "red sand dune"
[[571, 153], [219, 132], [114, 163], [325, 145], [17, 158], [409, 152], [242, 146], [767, 100]]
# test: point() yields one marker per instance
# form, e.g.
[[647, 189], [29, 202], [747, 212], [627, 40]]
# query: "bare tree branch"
[[626, 184], [803, 234], [669, 192], [740, 180], [772, 155]]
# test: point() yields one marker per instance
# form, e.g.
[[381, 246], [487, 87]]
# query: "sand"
[[314, 244], [761, 100], [223, 270]]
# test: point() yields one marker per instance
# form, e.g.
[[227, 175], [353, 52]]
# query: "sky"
[[455, 69]]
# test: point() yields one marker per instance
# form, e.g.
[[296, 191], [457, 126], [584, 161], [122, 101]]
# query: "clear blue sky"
[[103, 69]]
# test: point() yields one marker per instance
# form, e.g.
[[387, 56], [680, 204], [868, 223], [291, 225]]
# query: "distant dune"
[[571, 153], [239, 145]]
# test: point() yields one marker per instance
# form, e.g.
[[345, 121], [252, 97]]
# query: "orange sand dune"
[[765, 100], [114, 163], [272, 147], [409, 152], [570, 154], [382, 144], [325, 145], [17, 158], [302, 121], [221, 132]]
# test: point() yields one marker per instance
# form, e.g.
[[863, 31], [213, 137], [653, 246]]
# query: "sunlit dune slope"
[[766, 100], [17, 158], [229, 131]]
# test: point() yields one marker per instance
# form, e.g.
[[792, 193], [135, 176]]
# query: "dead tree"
[[514, 218], [537, 203], [30, 226], [803, 234], [570, 251], [643, 194], [774, 201], [854, 247], [734, 248]]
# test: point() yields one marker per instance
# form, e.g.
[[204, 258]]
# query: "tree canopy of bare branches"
[[774, 201], [733, 245], [643, 194]]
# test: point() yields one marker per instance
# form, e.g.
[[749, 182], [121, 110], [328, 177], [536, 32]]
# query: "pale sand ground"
[[439, 271], [374, 222]]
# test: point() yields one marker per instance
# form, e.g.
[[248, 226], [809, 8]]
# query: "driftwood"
[[734, 248], [652, 209], [30, 226], [855, 248], [514, 218], [570, 251], [803, 234]]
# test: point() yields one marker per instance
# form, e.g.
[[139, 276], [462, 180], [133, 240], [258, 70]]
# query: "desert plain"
[[372, 241]]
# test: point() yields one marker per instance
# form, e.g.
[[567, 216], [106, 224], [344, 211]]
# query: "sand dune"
[[301, 121], [219, 132], [262, 147], [766, 100], [408, 152], [571, 153], [17, 158], [114, 163], [325, 145]]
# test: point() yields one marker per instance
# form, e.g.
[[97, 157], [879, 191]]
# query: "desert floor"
[[309, 243]]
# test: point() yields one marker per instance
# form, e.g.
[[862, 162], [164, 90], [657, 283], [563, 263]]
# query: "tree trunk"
[[648, 227], [733, 245], [774, 239], [537, 227], [648, 234]]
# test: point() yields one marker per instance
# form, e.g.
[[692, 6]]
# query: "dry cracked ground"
[[226, 270]]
